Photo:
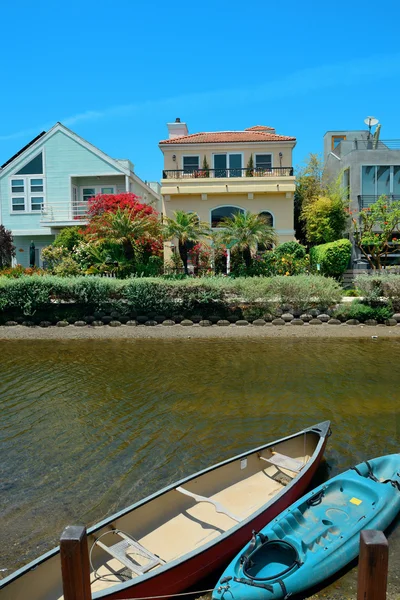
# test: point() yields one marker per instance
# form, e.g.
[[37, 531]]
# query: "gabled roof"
[[60, 127], [259, 133], [10, 160]]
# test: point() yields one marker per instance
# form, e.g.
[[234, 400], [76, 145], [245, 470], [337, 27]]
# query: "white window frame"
[[27, 194], [228, 167], [96, 188], [391, 180], [263, 154]]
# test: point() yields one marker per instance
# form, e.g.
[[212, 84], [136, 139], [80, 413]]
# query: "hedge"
[[380, 285], [52, 298], [333, 257]]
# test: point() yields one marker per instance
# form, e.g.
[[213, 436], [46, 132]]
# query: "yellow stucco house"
[[210, 174]]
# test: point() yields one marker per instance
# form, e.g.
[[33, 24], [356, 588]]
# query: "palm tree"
[[124, 227], [186, 228], [245, 231]]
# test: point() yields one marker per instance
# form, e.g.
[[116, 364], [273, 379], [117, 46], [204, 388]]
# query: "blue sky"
[[116, 72]]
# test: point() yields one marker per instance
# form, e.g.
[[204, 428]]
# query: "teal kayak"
[[316, 536]]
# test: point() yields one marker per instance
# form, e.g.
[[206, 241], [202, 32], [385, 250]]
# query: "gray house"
[[370, 166]]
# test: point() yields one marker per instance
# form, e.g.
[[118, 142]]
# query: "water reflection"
[[90, 426]]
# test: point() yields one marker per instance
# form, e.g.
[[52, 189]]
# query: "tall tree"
[[308, 188], [245, 232], [377, 231], [186, 228], [7, 248]]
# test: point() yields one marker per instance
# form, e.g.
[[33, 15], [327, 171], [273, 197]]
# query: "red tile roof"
[[260, 128], [259, 133]]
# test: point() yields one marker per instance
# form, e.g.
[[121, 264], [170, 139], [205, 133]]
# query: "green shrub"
[[362, 312], [206, 296], [333, 257], [375, 287], [68, 238], [293, 249]]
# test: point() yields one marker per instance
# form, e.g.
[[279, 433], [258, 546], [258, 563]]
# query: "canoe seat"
[[131, 553], [217, 505], [284, 462]]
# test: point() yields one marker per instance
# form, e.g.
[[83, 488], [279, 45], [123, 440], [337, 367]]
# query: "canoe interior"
[[173, 524]]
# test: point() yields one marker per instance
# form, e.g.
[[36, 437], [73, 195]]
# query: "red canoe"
[[173, 539]]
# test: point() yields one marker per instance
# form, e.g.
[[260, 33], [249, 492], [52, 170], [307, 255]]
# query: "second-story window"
[[262, 162], [190, 164], [27, 187]]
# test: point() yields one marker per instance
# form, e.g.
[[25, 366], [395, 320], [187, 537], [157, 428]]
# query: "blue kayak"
[[316, 536]]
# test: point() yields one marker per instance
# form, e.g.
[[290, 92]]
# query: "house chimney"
[[177, 129]]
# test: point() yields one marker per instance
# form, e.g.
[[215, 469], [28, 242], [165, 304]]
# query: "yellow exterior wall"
[[208, 150], [279, 205]]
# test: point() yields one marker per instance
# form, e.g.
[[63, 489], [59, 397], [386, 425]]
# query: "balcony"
[[223, 173], [62, 214], [365, 201], [232, 181]]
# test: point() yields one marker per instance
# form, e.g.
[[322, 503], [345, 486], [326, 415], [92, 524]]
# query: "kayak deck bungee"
[[316, 536]]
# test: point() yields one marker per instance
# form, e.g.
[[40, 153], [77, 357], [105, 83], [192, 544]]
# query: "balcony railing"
[[220, 173], [54, 212], [365, 201]]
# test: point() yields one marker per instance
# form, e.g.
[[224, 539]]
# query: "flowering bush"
[[20, 271], [112, 202]]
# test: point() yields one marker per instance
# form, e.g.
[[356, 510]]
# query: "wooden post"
[[75, 563], [372, 566]]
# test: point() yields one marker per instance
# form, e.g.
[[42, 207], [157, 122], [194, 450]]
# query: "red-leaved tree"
[[108, 212], [103, 203]]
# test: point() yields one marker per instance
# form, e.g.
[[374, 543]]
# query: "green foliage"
[[7, 248], [377, 231], [363, 312], [333, 258], [244, 232], [68, 238], [185, 227], [206, 166], [250, 167], [325, 219], [293, 249], [308, 188], [212, 295], [375, 287]]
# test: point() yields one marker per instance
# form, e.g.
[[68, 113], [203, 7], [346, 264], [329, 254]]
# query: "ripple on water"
[[90, 426]]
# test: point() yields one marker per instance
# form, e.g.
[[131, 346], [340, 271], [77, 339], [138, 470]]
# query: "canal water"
[[89, 427]]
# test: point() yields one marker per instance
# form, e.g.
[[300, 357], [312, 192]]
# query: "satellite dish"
[[371, 121]]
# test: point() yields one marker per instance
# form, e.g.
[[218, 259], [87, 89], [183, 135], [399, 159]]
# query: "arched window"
[[267, 217], [218, 214]]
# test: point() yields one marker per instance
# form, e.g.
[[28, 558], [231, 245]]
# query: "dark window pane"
[[34, 167], [383, 179], [190, 163], [36, 185], [218, 214], [17, 185], [220, 165], [263, 162], [37, 203], [368, 181], [18, 204], [235, 165]]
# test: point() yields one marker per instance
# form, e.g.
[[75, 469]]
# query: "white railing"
[[55, 212]]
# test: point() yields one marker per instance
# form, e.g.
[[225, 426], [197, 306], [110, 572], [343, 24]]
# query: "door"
[[235, 165], [220, 165]]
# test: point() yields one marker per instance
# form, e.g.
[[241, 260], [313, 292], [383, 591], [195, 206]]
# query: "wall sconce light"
[[280, 158], [174, 157]]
